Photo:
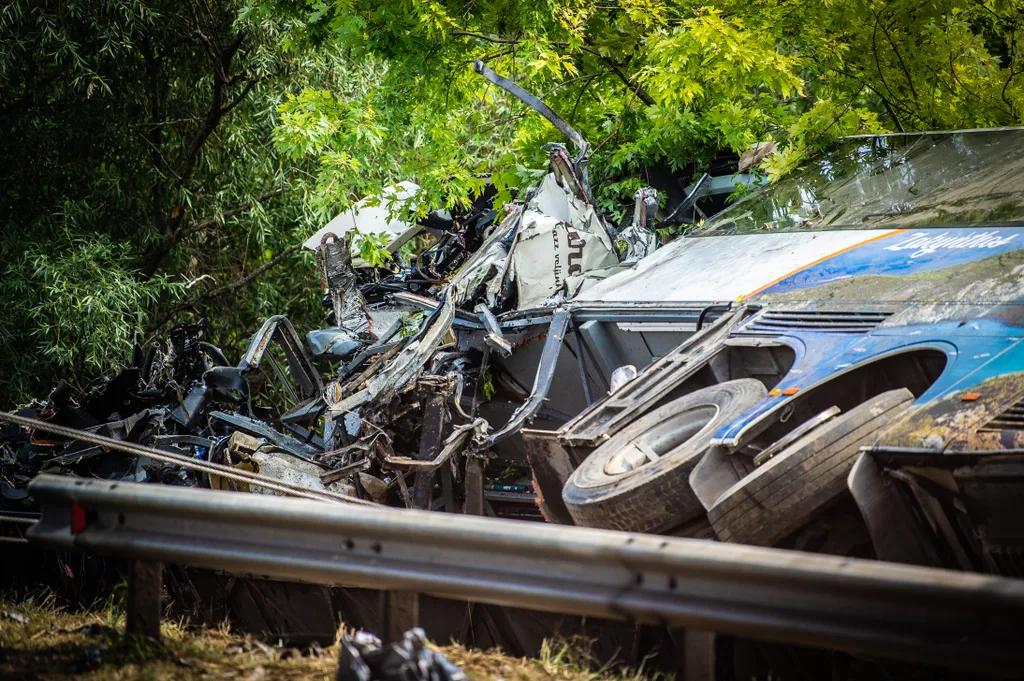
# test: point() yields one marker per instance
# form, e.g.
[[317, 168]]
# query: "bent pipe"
[[536, 104], [542, 380]]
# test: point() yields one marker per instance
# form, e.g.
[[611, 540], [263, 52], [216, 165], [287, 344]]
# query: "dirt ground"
[[41, 641]]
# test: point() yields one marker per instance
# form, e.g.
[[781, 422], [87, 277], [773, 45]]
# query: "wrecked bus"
[[849, 374]]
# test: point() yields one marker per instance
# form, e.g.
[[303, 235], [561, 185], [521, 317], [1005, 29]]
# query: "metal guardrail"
[[865, 607]]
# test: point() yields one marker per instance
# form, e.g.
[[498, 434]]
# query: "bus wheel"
[[784, 493], [639, 479]]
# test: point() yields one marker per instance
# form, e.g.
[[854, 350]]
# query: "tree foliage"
[[138, 170], [157, 153], [653, 84]]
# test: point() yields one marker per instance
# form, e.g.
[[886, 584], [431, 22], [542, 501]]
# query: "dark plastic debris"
[[363, 657]]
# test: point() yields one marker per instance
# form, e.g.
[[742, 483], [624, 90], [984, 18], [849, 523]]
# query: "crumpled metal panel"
[[560, 236]]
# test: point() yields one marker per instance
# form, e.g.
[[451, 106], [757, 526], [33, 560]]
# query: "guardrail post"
[[698, 655], [145, 584], [401, 613]]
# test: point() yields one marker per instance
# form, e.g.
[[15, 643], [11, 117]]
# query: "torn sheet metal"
[[544, 250], [545, 374], [484, 272], [260, 429], [350, 309], [534, 103], [640, 238], [569, 173], [473, 434], [372, 219], [252, 454], [288, 469], [352, 326], [402, 371], [494, 338], [302, 371], [560, 236]]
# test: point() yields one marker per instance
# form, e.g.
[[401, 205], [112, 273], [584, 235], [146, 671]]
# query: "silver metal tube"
[[878, 609], [228, 472]]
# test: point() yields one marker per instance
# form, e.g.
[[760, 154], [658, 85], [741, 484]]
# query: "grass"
[[41, 641]]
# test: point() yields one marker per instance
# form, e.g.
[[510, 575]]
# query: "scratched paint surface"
[[723, 268], [909, 252], [922, 293], [857, 265]]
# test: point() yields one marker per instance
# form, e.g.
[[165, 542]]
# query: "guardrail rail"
[[859, 606]]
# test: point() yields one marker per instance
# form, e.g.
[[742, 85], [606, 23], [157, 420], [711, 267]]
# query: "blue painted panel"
[[905, 253], [975, 351]]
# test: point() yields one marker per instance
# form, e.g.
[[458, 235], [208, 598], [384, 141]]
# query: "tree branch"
[[890, 102], [489, 57], [889, 106], [241, 96], [634, 86], [190, 156], [616, 68], [184, 232], [228, 288], [899, 59], [583, 90], [186, 164], [154, 134], [196, 227], [488, 38]]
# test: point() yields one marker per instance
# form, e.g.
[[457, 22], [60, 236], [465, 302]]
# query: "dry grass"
[[56, 644]]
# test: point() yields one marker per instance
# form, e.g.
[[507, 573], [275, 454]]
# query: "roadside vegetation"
[[164, 158], [41, 641]]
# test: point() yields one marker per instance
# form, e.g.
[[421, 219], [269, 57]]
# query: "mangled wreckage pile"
[[831, 364], [406, 418]]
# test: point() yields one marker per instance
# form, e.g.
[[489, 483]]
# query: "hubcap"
[[660, 440]]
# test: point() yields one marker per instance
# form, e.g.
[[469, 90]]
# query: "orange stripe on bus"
[[823, 259]]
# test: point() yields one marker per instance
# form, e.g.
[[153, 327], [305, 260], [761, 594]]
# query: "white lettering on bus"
[[923, 244]]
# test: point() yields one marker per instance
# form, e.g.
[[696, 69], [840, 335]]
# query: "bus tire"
[[621, 487], [783, 494]]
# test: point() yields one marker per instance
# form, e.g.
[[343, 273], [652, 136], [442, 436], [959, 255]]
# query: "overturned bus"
[[833, 363], [830, 364]]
